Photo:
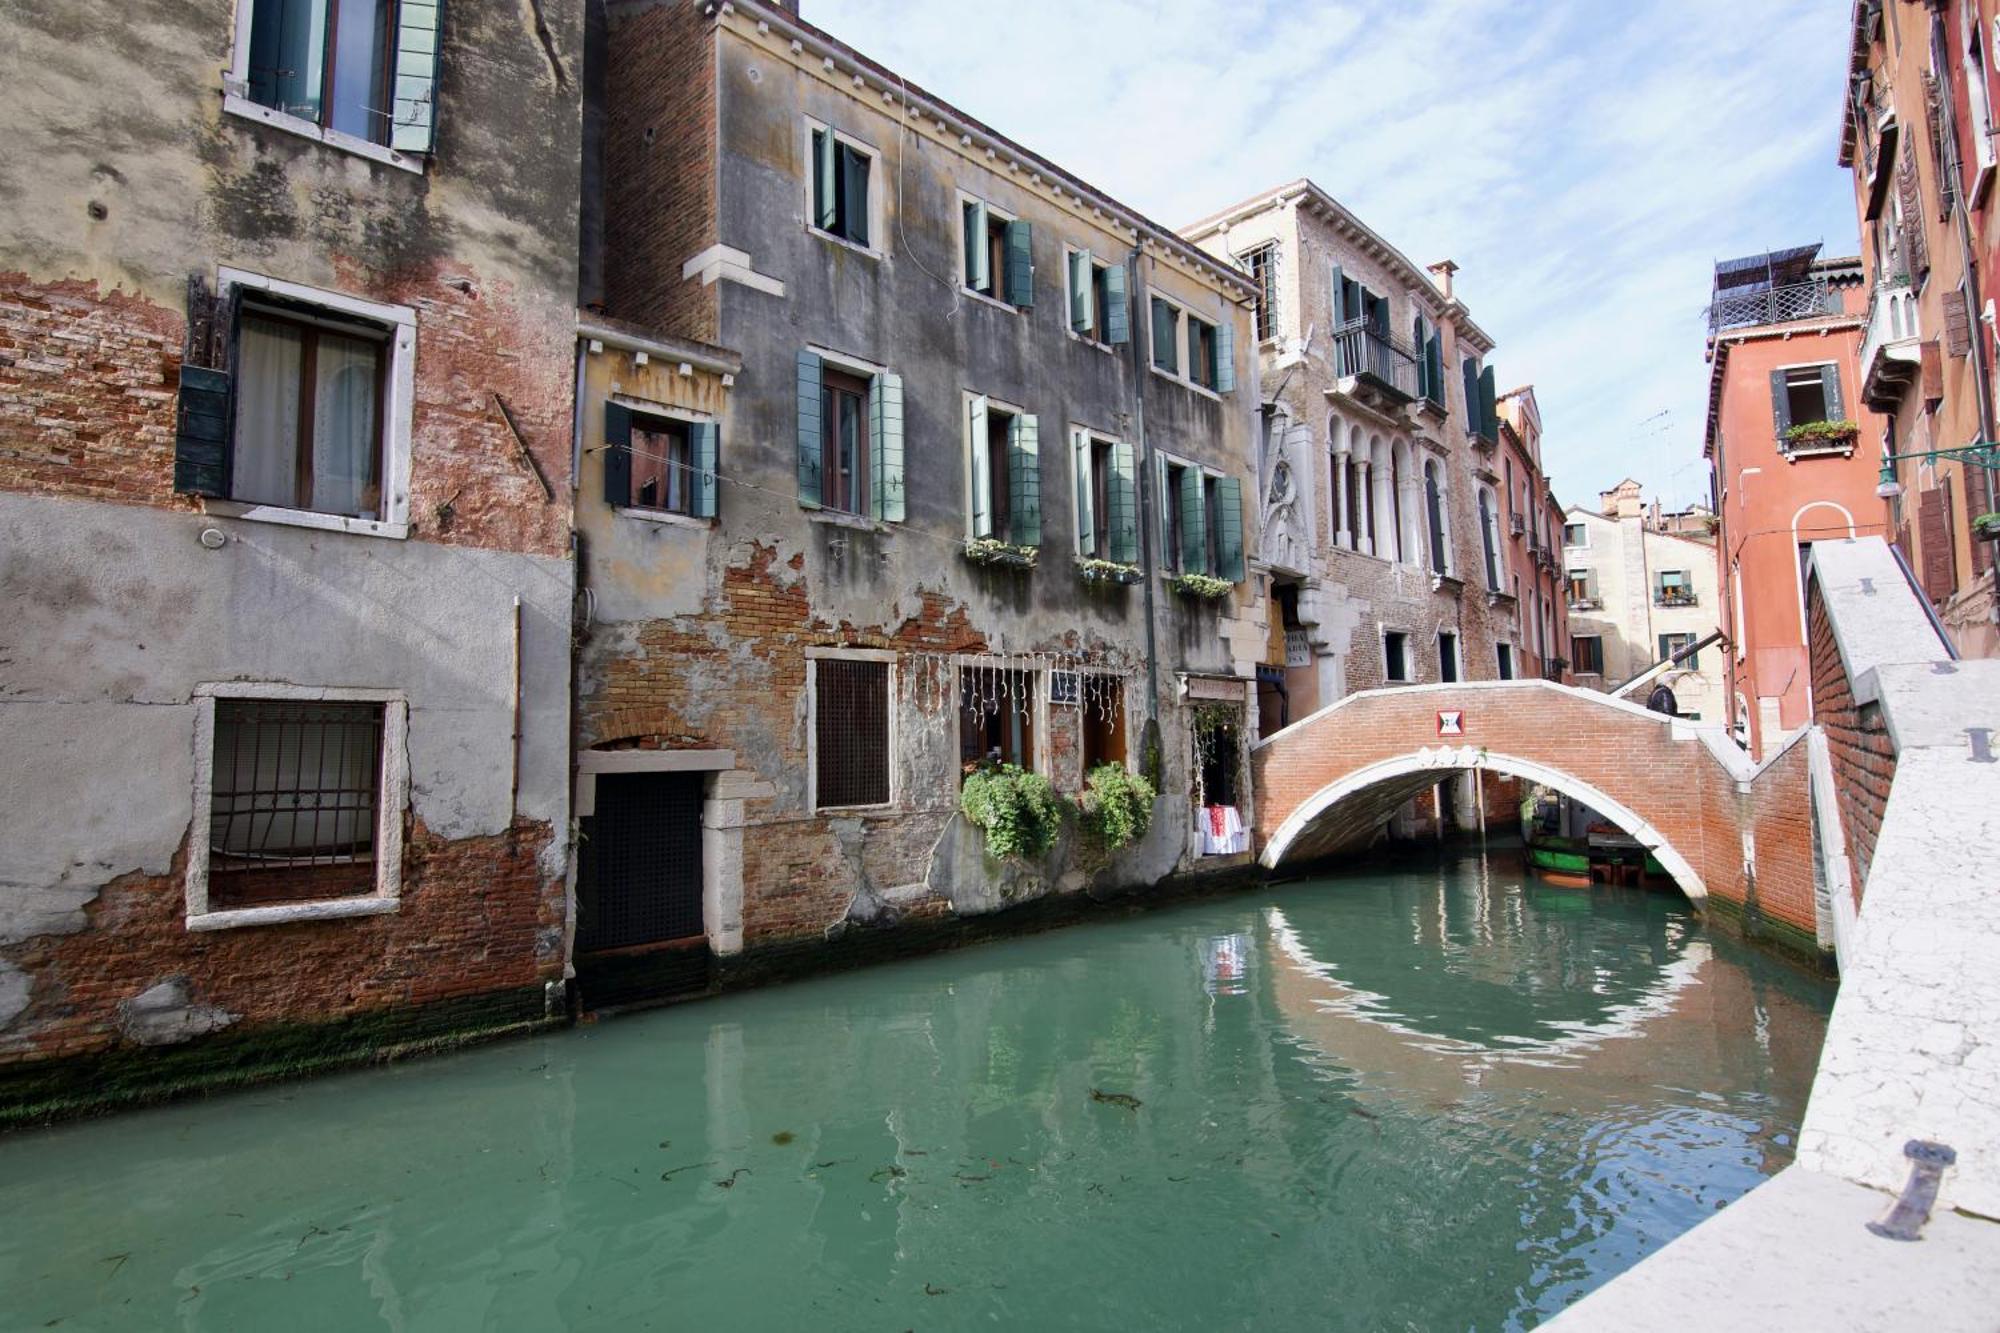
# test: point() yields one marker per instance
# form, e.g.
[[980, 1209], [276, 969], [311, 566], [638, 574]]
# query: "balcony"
[[1374, 369], [1674, 597], [1517, 524], [1814, 299], [1889, 352]]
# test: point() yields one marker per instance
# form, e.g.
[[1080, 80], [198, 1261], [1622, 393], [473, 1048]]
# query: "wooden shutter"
[[1024, 480], [854, 194], [1021, 264], [812, 427], [1781, 406], [1082, 306], [1080, 480], [1471, 370], [617, 455], [1194, 523], [1909, 198], [826, 180], [1225, 356], [1935, 542], [1117, 308], [1957, 326], [1122, 498], [1436, 362], [1829, 383], [202, 433], [1489, 407], [1166, 351], [703, 437], [1930, 371], [1423, 359], [885, 445], [978, 266], [1229, 528], [413, 124], [979, 466]]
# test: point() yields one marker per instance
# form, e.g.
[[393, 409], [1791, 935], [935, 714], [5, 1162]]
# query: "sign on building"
[[1451, 721]]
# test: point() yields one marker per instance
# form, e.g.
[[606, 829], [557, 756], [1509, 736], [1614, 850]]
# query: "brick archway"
[[1731, 833]]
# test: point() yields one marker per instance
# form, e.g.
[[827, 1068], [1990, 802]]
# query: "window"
[[1209, 354], [1801, 395], [999, 254], [841, 200], [1586, 654], [1434, 513], [1505, 653], [1203, 367], [1105, 482], [1102, 704], [996, 718], [1979, 100], [1218, 760], [1489, 538], [850, 704], [1395, 655], [1002, 473], [1097, 306], [1263, 265], [1201, 522], [850, 437], [1447, 657], [1576, 536], [319, 387], [359, 73], [1673, 645], [1166, 337], [659, 464], [1582, 588], [1672, 588]]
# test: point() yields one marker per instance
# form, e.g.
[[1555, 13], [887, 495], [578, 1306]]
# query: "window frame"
[[398, 399], [1576, 657], [996, 263], [1583, 528], [814, 656], [1037, 679], [1183, 343], [1004, 461], [1168, 562], [1402, 636], [1100, 492], [860, 492], [392, 797], [876, 247], [1264, 308], [1692, 661], [236, 100], [1100, 315], [683, 417]]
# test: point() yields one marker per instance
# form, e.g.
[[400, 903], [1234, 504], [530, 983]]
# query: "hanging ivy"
[[1018, 811], [1117, 806]]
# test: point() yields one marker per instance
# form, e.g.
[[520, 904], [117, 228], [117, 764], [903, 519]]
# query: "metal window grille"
[[851, 725], [296, 788]]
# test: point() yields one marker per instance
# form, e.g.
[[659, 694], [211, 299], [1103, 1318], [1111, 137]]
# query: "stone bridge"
[[1734, 834]]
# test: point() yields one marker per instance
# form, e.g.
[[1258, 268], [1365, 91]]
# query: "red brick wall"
[[1857, 742], [660, 167]]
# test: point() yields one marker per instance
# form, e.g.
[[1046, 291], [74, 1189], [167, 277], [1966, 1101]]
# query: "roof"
[[1758, 273], [1857, 68], [788, 21]]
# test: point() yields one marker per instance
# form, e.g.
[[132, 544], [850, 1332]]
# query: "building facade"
[[1787, 443], [1532, 542], [1917, 131], [1643, 590], [903, 453], [285, 390]]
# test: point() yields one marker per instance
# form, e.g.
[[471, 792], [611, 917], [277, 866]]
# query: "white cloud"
[[1584, 162]]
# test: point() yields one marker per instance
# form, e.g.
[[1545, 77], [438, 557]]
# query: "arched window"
[[1396, 500], [1489, 538], [1434, 511]]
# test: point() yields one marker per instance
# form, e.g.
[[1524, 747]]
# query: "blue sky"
[[1584, 161]]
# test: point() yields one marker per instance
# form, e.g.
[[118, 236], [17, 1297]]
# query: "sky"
[[1585, 162]]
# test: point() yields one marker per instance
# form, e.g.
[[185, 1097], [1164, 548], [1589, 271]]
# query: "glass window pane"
[[288, 55], [344, 426], [360, 43], [269, 354]]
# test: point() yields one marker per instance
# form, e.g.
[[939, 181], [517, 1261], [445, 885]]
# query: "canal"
[[1434, 1097]]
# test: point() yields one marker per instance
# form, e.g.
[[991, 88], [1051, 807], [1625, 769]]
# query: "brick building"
[[286, 337], [903, 450], [1532, 542], [1917, 130], [1384, 525]]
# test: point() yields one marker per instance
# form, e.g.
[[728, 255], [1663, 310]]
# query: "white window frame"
[[876, 247], [236, 102], [1583, 545], [1035, 668], [814, 656], [993, 210], [1978, 98], [1277, 309], [1183, 344], [966, 397], [1411, 673], [1093, 437], [1095, 337], [398, 412], [688, 416], [393, 796]]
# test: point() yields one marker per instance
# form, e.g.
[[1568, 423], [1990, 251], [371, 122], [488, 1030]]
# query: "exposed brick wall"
[[660, 169], [1857, 742]]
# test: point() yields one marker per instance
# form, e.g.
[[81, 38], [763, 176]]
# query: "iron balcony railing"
[[1360, 349], [1777, 305]]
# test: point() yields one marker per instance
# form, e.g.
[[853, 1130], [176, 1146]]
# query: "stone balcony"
[[1889, 356]]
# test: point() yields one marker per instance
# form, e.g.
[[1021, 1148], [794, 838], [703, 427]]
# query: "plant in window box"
[[993, 551], [1092, 570], [1117, 806], [1200, 587], [1986, 527], [1822, 434], [1018, 811]]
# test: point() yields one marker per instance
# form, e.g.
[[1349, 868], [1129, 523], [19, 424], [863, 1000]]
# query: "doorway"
[[639, 928]]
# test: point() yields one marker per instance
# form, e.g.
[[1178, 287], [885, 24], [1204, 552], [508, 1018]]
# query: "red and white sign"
[[1451, 721]]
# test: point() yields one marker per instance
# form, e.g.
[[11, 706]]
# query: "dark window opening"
[[309, 395], [1201, 353], [1103, 708], [1586, 654], [840, 187], [844, 447], [999, 463], [1805, 395], [1395, 655], [1434, 505], [1217, 764], [1264, 273], [326, 61], [851, 732], [1166, 337], [662, 466], [1171, 504], [1505, 653], [1100, 497], [996, 718], [1447, 657]]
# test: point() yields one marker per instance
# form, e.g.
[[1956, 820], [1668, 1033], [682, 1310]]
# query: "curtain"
[[344, 427], [269, 354]]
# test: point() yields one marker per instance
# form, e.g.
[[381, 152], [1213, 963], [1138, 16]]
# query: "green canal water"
[[1437, 1098]]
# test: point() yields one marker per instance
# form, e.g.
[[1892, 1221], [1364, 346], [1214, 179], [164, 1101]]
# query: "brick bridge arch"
[[1731, 833]]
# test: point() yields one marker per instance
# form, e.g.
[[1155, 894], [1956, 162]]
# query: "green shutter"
[[1423, 359], [1829, 379], [413, 111], [1489, 406], [617, 455], [978, 269], [1122, 499], [1021, 264], [1339, 302], [202, 446], [1082, 309], [1194, 523], [979, 466], [1166, 327], [885, 445], [1434, 358], [1024, 480], [1080, 480], [1471, 395], [1225, 357], [1229, 523], [1781, 405], [1117, 308], [826, 180], [812, 427], [703, 437], [854, 195]]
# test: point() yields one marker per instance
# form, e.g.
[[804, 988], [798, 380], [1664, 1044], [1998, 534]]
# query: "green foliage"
[[1986, 525], [993, 551], [1093, 570], [1822, 432], [1019, 811], [1202, 587], [1117, 805]]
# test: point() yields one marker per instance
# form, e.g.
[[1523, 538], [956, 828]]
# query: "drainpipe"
[[1143, 483]]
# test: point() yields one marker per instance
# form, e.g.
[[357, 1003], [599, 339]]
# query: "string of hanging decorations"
[[991, 683]]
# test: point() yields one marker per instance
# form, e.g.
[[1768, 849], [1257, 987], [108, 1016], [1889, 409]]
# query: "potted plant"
[[1116, 807], [1839, 434], [993, 551], [1986, 527], [1092, 570], [1200, 587], [1018, 811]]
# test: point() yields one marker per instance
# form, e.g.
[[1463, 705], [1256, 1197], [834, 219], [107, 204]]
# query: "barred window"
[[294, 800], [851, 732], [1263, 263]]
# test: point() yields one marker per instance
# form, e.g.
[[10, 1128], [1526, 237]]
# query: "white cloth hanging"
[[1222, 831]]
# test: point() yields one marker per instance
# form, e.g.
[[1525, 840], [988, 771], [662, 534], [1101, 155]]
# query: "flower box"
[[1821, 436], [1200, 587], [993, 551], [1106, 571]]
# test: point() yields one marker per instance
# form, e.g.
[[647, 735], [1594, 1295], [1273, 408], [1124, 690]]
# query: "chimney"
[[1442, 271]]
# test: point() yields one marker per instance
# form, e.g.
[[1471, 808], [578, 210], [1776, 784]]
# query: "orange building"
[[1795, 458]]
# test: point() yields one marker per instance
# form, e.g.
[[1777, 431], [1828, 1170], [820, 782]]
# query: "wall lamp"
[[1985, 454]]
